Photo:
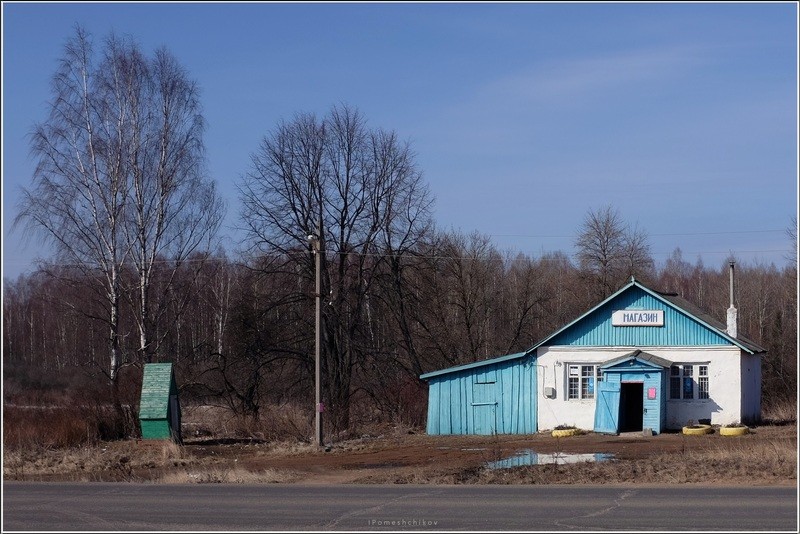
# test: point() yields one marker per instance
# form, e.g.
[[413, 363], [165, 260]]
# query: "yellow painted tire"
[[697, 430], [566, 432], [733, 430]]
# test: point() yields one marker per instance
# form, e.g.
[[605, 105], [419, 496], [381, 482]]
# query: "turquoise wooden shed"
[[159, 406], [484, 397]]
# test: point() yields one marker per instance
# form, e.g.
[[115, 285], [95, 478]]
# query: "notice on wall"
[[637, 318], [651, 393]]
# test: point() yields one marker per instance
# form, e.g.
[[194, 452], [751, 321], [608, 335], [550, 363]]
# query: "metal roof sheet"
[[710, 321], [158, 382], [473, 365], [671, 300], [638, 355]]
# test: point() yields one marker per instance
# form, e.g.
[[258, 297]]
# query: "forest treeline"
[[245, 339], [122, 193]]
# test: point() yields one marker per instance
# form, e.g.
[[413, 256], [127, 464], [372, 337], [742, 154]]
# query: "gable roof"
[[672, 301], [705, 318], [640, 356], [158, 382]]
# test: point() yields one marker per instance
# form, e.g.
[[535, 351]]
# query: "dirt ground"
[[767, 455]]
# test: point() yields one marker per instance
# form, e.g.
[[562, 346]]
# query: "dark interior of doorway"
[[631, 406]]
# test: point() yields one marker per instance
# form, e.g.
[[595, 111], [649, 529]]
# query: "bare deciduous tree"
[[610, 251], [80, 186], [119, 185], [362, 189], [636, 252], [174, 209], [791, 233]]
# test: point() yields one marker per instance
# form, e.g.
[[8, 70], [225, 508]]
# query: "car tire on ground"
[[733, 430], [697, 430], [565, 432]]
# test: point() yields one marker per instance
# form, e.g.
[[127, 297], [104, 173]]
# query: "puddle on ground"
[[529, 457]]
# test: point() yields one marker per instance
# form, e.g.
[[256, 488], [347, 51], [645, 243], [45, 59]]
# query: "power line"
[[732, 232]]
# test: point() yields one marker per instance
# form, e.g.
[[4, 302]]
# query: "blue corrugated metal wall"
[[595, 330], [497, 398]]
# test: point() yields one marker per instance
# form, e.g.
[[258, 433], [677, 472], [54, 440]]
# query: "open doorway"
[[631, 406]]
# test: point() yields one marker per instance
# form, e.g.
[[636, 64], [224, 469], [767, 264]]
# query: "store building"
[[638, 360]]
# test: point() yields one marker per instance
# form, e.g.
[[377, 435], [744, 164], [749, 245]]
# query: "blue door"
[[606, 410], [484, 408]]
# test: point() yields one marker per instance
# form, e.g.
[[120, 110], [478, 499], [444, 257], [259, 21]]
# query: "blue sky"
[[523, 116]]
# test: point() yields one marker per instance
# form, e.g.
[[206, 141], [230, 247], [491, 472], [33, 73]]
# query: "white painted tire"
[[565, 432], [697, 430], [733, 430]]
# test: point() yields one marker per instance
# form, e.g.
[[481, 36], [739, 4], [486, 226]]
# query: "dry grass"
[[736, 460], [62, 426], [289, 448], [419, 475], [48, 427], [275, 422], [66, 444], [171, 451], [745, 458], [749, 459], [208, 421], [781, 413], [235, 475], [121, 460]]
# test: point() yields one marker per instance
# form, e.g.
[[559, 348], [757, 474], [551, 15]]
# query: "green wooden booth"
[[159, 407]]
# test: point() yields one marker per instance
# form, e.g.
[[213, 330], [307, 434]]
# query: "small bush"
[[63, 426], [780, 412], [31, 427], [275, 423]]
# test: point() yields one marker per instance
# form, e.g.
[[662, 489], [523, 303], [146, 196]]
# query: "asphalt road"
[[105, 507]]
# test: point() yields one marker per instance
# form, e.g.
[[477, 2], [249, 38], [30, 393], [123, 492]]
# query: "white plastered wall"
[[725, 386]]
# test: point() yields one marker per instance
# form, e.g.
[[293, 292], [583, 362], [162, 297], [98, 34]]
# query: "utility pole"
[[316, 244]]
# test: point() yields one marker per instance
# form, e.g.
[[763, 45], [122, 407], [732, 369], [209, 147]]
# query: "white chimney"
[[732, 314]]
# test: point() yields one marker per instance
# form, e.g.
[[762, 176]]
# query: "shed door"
[[484, 408], [606, 410]]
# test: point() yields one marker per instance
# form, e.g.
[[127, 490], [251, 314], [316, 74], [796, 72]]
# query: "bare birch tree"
[[80, 185], [174, 209], [119, 179]]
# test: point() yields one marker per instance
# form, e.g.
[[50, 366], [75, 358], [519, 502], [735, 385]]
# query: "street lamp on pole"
[[314, 240]]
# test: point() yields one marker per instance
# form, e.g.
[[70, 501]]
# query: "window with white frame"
[[682, 383], [581, 381], [702, 382]]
